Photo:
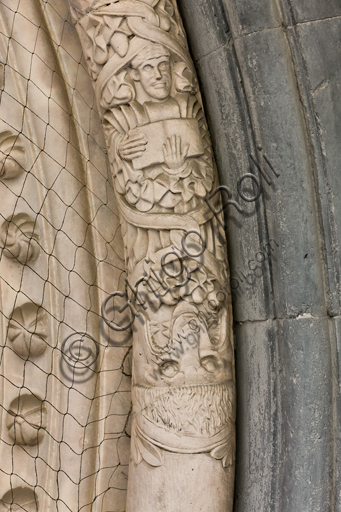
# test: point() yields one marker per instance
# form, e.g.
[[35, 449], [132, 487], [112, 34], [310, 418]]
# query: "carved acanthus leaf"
[[226, 451], [144, 449]]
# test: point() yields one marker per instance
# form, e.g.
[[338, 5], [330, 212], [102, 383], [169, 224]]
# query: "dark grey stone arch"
[[270, 74]]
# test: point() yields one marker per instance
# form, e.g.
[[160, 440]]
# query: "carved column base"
[[189, 483]]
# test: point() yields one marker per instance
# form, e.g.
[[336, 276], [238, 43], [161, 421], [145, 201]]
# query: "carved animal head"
[[196, 352]]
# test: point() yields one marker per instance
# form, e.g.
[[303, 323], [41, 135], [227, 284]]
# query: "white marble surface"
[[63, 255], [65, 371], [164, 172]]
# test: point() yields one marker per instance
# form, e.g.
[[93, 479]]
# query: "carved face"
[[197, 352], [195, 358], [186, 387], [155, 77]]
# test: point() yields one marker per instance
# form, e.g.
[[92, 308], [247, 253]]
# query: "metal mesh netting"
[[65, 385]]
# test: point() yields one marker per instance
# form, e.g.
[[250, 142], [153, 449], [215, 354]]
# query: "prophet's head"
[[151, 71]]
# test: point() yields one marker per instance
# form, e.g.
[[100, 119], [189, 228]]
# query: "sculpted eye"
[[169, 368], [147, 67], [163, 65], [210, 363]]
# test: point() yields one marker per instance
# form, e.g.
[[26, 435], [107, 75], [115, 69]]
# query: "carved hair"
[[150, 51], [120, 89], [187, 410]]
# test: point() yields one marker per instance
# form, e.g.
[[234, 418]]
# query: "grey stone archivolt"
[[12, 155], [27, 420], [27, 330], [20, 498], [19, 237]]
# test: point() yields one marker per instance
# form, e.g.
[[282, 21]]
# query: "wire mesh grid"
[[65, 378]]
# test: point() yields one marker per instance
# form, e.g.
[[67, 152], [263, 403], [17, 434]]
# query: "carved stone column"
[[182, 446]]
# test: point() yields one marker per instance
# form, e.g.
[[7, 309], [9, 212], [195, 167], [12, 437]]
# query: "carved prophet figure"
[[156, 170], [183, 428]]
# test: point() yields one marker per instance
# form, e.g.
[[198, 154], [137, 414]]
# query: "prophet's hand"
[[174, 157], [132, 145]]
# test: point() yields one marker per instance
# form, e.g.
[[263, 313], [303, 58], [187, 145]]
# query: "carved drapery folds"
[[164, 173]]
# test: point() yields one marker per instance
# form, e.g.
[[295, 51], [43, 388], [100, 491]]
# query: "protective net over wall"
[[65, 375]]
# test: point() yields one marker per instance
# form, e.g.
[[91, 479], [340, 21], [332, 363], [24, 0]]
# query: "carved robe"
[[155, 188]]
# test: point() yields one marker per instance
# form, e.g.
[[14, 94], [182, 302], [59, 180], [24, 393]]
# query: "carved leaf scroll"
[[226, 451]]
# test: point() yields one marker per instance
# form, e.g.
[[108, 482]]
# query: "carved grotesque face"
[[186, 387], [196, 357], [197, 351], [155, 77]]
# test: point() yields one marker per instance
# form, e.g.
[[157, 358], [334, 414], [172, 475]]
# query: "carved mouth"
[[187, 410], [159, 85]]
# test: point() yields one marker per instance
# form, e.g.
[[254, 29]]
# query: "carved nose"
[[192, 368], [158, 75], [190, 363]]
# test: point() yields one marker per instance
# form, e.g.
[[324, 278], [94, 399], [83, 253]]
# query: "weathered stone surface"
[[337, 404], [232, 142], [278, 122], [307, 416], [245, 17], [320, 43], [207, 19], [308, 10], [258, 416], [285, 370]]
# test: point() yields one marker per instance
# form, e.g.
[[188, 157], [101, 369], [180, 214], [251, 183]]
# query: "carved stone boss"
[[183, 427]]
